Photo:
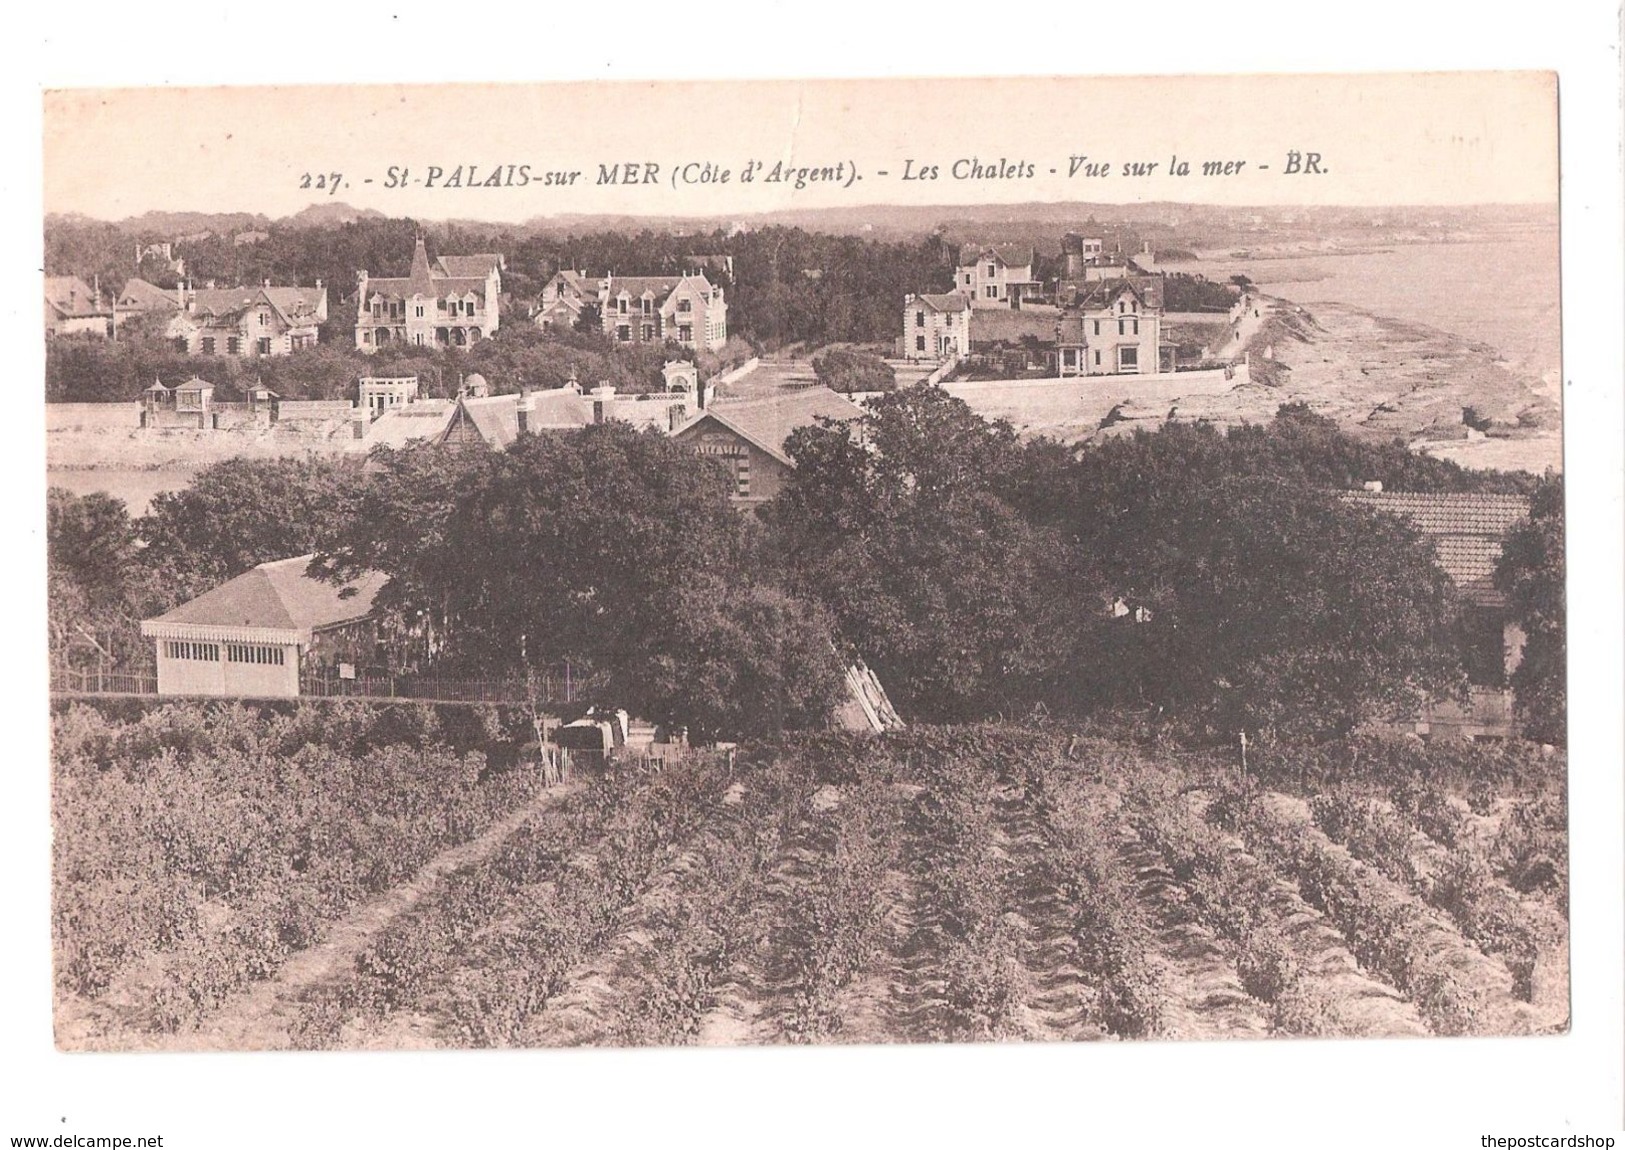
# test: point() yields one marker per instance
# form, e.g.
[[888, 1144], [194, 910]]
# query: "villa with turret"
[[453, 302]]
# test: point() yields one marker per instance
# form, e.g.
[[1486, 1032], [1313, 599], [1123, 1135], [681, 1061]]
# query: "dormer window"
[[685, 305]]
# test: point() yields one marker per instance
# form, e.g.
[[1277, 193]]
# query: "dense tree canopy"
[[1253, 604], [1531, 573], [608, 545], [847, 370], [934, 575], [1214, 579], [244, 512]]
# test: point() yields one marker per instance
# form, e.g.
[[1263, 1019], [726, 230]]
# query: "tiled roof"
[[469, 267], [948, 301], [280, 596], [71, 296], [999, 324], [637, 286], [435, 282], [496, 417], [399, 426], [767, 423], [1010, 255], [587, 287], [138, 293], [1095, 295], [295, 305], [1466, 531]]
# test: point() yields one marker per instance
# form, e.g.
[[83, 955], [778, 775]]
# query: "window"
[[991, 291], [1128, 359], [208, 345], [265, 319], [620, 305], [648, 332], [684, 306], [234, 345], [992, 270], [1097, 327], [623, 332], [919, 343], [685, 333], [417, 338], [180, 344], [919, 319], [951, 318], [1097, 358], [263, 347], [1134, 327], [419, 309], [967, 279], [262, 656], [742, 476], [1122, 328], [199, 652], [366, 336]]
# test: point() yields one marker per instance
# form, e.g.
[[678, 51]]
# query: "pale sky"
[[1436, 138]]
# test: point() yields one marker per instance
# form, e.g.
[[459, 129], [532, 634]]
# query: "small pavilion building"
[[251, 636]]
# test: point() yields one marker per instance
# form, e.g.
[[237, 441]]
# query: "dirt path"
[[258, 1019]]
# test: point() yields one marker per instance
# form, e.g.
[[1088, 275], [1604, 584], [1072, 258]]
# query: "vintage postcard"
[[756, 563]]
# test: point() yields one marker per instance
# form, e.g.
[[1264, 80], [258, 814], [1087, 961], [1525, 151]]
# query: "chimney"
[[267, 282], [1072, 249], [526, 409], [602, 396]]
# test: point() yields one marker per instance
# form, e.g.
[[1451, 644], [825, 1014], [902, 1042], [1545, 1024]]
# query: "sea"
[[1503, 293]]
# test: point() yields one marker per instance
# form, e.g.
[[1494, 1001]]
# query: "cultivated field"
[[231, 881]]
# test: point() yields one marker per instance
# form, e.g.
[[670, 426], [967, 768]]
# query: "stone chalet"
[[747, 436], [253, 635], [686, 309], [565, 297], [247, 321], [1111, 327], [139, 299], [1467, 531], [454, 302], [996, 275], [936, 327], [73, 307]]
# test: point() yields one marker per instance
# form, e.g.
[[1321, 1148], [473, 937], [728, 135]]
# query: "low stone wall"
[[92, 416], [310, 410]]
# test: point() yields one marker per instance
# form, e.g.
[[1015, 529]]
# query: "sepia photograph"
[[905, 564]]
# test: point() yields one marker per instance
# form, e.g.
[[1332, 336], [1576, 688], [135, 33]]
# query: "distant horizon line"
[[539, 218]]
